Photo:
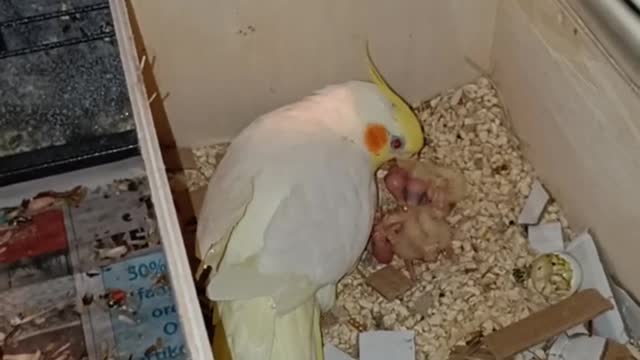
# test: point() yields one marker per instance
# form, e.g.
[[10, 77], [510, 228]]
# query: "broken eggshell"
[[556, 273]]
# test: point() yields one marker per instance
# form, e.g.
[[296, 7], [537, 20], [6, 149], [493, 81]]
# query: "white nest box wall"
[[579, 120], [225, 62]]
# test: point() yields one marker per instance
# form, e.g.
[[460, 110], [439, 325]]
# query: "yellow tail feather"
[[296, 335]]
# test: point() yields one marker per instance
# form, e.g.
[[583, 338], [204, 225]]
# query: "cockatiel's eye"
[[396, 143]]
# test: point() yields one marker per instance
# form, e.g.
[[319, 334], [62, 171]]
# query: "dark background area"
[[64, 103]]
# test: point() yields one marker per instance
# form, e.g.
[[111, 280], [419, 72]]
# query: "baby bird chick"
[[414, 183], [415, 233]]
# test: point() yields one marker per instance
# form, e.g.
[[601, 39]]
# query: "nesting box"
[[567, 73]]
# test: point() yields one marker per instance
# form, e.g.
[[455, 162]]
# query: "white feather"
[[312, 204]]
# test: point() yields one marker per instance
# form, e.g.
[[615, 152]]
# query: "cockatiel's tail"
[[289, 211]]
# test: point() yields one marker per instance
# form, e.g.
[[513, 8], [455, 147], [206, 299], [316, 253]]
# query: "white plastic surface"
[[333, 353], [534, 205], [385, 345], [546, 238]]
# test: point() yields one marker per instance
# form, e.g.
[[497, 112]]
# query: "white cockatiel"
[[289, 211]]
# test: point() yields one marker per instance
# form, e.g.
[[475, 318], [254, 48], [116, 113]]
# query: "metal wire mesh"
[[62, 85]]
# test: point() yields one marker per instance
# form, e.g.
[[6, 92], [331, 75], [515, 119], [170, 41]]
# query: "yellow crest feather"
[[400, 104], [382, 84], [405, 114]]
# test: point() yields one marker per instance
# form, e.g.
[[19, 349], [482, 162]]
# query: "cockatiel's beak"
[[411, 129]]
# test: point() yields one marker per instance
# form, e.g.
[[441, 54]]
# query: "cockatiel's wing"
[[305, 225], [229, 193], [230, 190]]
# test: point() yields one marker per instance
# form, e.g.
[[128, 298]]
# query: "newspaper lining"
[[89, 282]]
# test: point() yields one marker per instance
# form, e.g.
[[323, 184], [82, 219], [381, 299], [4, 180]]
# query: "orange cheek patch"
[[375, 138]]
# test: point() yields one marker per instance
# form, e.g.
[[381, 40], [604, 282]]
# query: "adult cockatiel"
[[289, 211]]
